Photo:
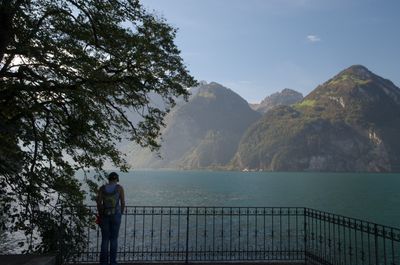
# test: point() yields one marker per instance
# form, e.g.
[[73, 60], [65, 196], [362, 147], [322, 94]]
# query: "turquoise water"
[[372, 197]]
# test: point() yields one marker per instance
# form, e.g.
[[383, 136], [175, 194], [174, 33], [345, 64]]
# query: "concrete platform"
[[27, 260], [207, 263], [51, 260]]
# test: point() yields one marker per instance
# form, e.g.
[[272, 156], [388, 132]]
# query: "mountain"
[[202, 133], [349, 123], [285, 97]]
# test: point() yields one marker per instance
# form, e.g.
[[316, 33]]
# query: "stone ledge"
[[27, 260]]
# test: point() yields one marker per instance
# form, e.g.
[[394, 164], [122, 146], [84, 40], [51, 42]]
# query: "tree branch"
[[88, 15]]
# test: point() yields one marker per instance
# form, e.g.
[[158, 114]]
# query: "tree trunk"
[[6, 15]]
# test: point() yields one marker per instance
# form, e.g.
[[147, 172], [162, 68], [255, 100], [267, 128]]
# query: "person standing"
[[110, 206]]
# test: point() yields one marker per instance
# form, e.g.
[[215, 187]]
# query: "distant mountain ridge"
[[286, 97], [349, 123], [202, 133]]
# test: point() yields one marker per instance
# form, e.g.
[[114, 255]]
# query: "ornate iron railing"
[[201, 234]]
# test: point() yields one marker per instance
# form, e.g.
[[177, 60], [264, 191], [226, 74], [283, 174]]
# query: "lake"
[[367, 196]]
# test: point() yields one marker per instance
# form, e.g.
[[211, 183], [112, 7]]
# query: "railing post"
[[305, 236], [187, 235], [376, 244]]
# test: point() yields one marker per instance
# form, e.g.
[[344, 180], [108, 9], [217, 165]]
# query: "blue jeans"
[[109, 237]]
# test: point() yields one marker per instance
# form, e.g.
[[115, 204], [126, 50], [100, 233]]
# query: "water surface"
[[372, 197]]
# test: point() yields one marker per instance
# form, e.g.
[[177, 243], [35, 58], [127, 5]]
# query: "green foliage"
[[350, 78], [70, 72], [275, 129], [305, 103]]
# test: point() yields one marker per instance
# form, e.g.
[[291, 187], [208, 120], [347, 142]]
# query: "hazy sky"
[[257, 47]]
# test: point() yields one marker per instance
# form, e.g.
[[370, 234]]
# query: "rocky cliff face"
[[349, 123], [286, 97]]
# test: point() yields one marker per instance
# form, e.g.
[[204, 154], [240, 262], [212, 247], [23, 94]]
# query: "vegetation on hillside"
[[349, 123], [202, 133]]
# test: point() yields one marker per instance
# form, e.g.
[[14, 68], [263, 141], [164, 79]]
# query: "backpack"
[[110, 201]]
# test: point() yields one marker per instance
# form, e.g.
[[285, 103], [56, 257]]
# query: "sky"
[[258, 47]]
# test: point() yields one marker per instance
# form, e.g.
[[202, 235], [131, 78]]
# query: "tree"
[[70, 71]]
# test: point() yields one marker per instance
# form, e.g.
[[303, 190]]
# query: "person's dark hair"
[[113, 176]]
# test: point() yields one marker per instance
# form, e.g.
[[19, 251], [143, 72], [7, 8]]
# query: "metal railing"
[[202, 234], [336, 239]]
